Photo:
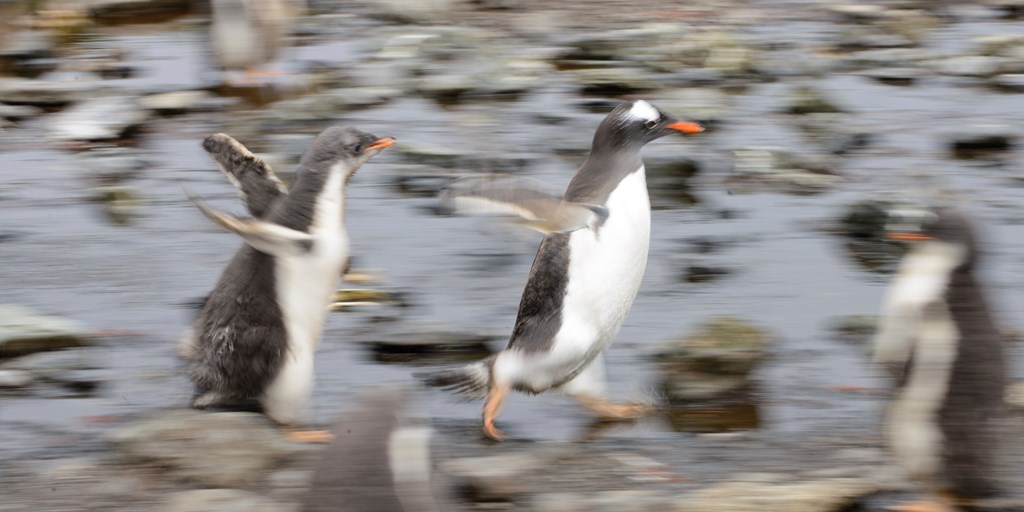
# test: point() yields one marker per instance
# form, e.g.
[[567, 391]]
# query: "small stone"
[[998, 44], [415, 11], [121, 10], [858, 13], [895, 76], [12, 379], [99, 119], [971, 66], [824, 495], [496, 477], [218, 500], [177, 102], [615, 81], [430, 154], [704, 274], [120, 203], [24, 331], [44, 93], [213, 449], [426, 341], [1012, 82], [808, 100], [855, 328], [1015, 395], [112, 164], [29, 52], [18, 112]]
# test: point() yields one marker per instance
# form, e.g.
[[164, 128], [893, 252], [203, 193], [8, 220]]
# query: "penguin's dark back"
[[241, 334]]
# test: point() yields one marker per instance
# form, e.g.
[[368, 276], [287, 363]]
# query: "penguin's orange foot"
[[608, 411], [922, 506], [492, 432], [310, 436]]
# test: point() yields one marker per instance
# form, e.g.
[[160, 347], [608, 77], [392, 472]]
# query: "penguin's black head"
[[942, 224], [635, 123], [345, 148]]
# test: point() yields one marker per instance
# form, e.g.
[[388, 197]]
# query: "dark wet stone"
[[857, 13], [415, 11], [895, 76], [106, 118], [29, 53], [873, 38], [969, 140], [418, 344], [18, 112], [220, 500], [209, 449], [739, 413], [704, 274], [120, 203], [865, 219], [615, 81], [421, 180], [126, 10], [1011, 82], [24, 331]]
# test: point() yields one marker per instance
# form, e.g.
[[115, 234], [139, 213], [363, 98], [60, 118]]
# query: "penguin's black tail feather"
[[470, 381]]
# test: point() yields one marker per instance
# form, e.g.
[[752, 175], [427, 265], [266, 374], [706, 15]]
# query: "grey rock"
[[1013, 82], [824, 495], [44, 93], [891, 57], [605, 501], [98, 119], [14, 379], [971, 66], [218, 500], [808, 100], [24, 331], [18, 112], [998, 44], [112, 164], [712, 361], [617, 80], [705, 104], [416, 11], [120, 203], [450, 158], [858, 13], [896, 75], [176, 102], [496, 477], [29, 52], [77, 370], [800, 174], [211, 449], [327, 104]]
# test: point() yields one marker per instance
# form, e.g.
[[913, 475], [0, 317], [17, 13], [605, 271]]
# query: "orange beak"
[[386, 142], [685, 127], [909, 237]]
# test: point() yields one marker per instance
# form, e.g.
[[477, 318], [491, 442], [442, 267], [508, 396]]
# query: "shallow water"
[[788, 275]]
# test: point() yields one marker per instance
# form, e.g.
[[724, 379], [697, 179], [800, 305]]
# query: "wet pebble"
[[205, 448], [496, 477], [46, 93], [18, 112], [809, 100], [823, 495], [113, 164], [417, 344], [1012, 82], [107, 118], [855, 328], [712, 362], [704, 273], [12, 379], [857, 13], [971, 66], [120, 203], [798, 174], [895, 75], [982, 138], [29, 52], [450, 158], [615, 80], [123, 10], [220, 500], [415, 11], [25, 331]]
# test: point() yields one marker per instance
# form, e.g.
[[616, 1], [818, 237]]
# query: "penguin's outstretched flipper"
[[263, 236], [525, 198], [256, 182]]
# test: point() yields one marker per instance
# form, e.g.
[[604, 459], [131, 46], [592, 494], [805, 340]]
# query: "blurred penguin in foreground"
[[379, 460], [937, 337], [247, 34]]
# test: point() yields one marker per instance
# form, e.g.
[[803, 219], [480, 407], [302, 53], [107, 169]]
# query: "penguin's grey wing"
[[378, 462], [527, 199], [256, 182], [263, 236]]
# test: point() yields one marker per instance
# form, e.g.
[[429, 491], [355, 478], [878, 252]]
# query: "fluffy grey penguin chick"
[[379, 461], [585, 276], [255, 337], [938, 339]]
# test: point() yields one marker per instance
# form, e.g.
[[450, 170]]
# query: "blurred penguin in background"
[[937, 337], [248, 34], [379, 460]]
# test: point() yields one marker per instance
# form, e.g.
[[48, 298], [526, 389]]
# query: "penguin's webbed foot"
[[309, 436], [492, 432], [922, 506], [605, 410]]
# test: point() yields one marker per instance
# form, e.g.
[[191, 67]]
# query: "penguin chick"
[[585, 276], [255, 337], [937, 337]]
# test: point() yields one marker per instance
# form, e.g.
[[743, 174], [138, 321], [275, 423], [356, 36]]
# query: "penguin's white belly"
[[305, 282], [605, 269]]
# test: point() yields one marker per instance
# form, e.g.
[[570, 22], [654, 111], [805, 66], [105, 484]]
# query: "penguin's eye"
[[651, 124], [358, 148]]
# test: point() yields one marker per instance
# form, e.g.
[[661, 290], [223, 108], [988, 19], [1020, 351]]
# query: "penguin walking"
[[379, 460], [585, 276], [256, 334], [245, 34], [937, 337]]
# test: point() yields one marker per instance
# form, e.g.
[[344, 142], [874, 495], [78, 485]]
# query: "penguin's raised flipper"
[[261, 235], [507, 195], [256, 182]]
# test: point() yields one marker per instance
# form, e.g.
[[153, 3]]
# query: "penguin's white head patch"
[[644, 111]]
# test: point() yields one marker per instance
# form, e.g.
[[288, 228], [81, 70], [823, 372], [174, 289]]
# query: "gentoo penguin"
[[245, 34], [937, 336], [379, 460], [585, 276], [254, 338]]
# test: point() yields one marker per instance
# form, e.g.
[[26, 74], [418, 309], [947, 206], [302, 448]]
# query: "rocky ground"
[[822, 116]]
